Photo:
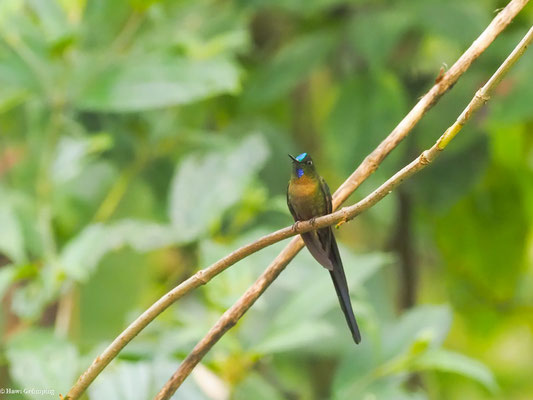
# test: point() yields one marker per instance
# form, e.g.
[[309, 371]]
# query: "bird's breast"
[[306, 198], [303, 187]]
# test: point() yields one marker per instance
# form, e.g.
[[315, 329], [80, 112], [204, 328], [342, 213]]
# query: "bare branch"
[[443, 84], [233, 314], [367, 167]]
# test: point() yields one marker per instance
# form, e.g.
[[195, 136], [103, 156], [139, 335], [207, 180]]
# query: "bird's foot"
[[295, 226], [312, 221]]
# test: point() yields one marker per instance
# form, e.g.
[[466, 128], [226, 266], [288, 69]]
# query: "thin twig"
[[367, 167], [233, 314], [445, 82]]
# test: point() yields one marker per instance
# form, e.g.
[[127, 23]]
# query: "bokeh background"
[[143, 140]]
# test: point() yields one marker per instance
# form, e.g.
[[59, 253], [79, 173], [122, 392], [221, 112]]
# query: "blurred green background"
[[143, 140]]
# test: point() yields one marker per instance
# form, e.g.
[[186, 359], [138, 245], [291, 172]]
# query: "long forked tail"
[[341, 287]]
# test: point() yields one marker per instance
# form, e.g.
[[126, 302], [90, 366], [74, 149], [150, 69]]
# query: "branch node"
[[201, 276], [425, 158], [483, 97]]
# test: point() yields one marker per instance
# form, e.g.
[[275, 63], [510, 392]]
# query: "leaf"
[[113, 296], [376, 48], [143, 236], [11, 97], [156, 82], [205, 186], [140, 381], [487, 255], [255, 386], [460, 176], [40, 360], [386, 359], [389, 388], [289, 67], [431, 323], [7, 276], [449, 361], [9, 9], [83, 253], [513, 108], [229, 286], [103, 20], [459, 22], [367, 109], [52, 19], [69, 159], [11, 235], [302, 8], [30, 299], [296, 336]]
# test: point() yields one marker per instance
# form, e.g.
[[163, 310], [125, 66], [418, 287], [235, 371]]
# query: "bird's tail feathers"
[[341, 287]]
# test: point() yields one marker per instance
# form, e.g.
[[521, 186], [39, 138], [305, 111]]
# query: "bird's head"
[[302, 165]]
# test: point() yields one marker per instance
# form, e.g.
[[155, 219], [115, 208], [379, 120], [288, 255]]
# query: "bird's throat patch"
[[299, 172]]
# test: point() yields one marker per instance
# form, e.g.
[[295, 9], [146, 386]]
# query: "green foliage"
[[144, 379], [40, 360], [143, 140], [203, 187], [296, 59], [155, 82]]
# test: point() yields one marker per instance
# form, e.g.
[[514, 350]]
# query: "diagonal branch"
[[372, 161], [367, 167], [233, 314]]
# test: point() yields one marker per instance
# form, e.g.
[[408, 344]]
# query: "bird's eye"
[[309, 162]]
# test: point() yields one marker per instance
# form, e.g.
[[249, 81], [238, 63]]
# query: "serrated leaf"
[[152, 83], [204, 186], [40, 360], [139, 381], [84, 252]]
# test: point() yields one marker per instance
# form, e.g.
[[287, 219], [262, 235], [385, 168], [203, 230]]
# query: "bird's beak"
[[293, 159]]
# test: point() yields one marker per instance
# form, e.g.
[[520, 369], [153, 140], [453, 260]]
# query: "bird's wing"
[[325, 235], [293, 213], [327, 195]]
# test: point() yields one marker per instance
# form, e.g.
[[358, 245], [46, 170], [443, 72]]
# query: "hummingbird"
[[308, 197]]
